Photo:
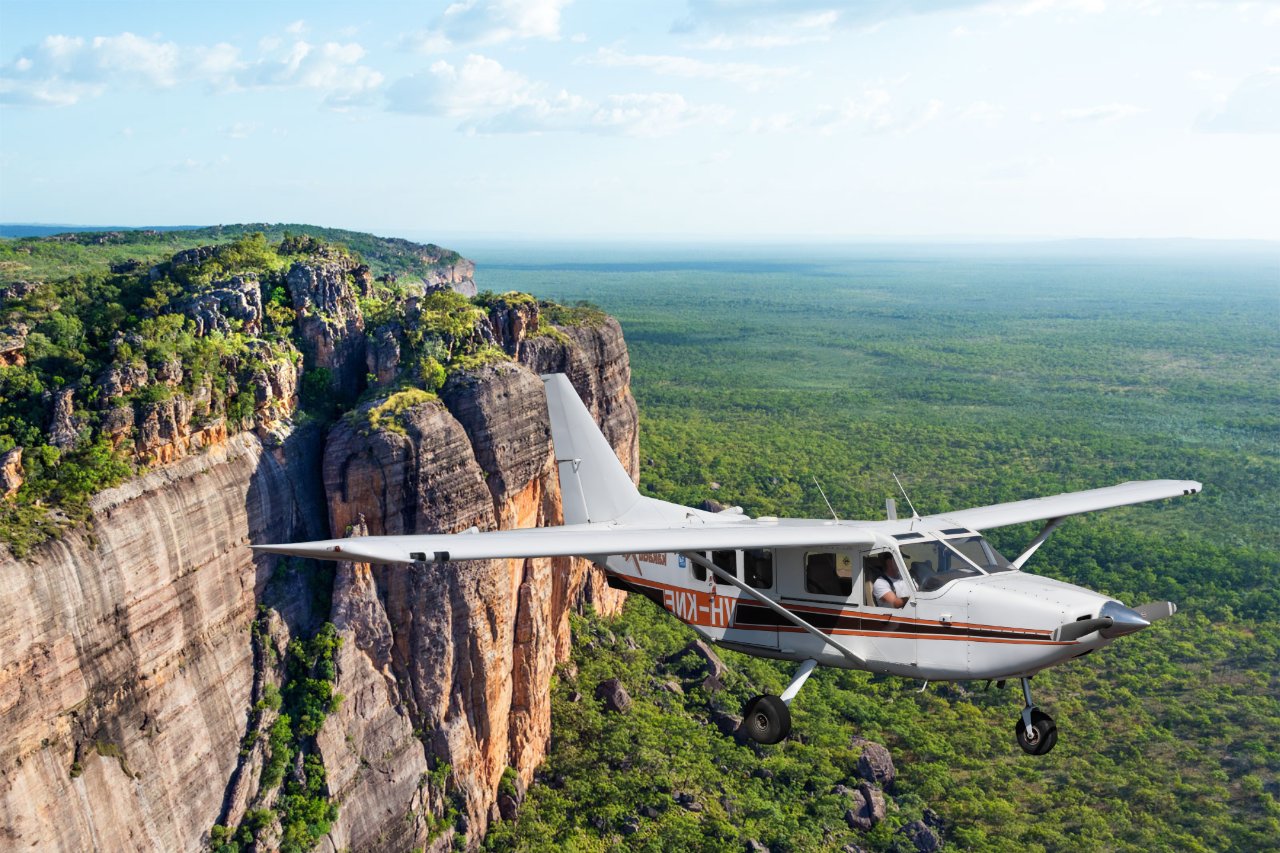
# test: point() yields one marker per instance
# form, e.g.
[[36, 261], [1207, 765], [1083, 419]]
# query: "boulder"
[[728, 724], [671, 687], [11, 478], [508, 807], [922, 836], [762, 773], [614, 696], [866, 808], [711, 684], [711, 506], [711, 663], [876, 765]]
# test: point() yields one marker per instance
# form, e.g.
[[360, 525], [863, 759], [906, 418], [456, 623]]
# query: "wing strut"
[[774, 606], [1038, 541]]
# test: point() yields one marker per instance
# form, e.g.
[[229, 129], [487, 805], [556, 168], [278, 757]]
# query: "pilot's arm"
[[884, 594]]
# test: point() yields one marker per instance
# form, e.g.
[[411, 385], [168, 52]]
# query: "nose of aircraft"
[[1123, 620]]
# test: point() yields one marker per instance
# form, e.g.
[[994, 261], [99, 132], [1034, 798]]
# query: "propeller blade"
[[1156, 610], [1075, 630]]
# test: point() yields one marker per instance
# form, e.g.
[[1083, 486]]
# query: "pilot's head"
[[890, 565]]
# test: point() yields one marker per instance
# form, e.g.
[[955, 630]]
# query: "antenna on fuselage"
[[824, 498], [914, 514]]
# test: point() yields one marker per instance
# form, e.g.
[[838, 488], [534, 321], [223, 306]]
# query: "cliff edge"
[[162, 687]]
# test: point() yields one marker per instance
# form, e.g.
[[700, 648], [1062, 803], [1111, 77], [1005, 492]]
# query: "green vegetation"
[[979, 379], [386, 415], [123, 304], [302, 807]]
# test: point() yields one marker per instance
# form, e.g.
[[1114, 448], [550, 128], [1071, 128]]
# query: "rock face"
[[330, 321], [11, 472], [459, 276], [132, 639], [13, 340], [127, 664], [464, 651]]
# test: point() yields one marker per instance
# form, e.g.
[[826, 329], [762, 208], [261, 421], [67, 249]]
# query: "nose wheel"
[[1036, 732]]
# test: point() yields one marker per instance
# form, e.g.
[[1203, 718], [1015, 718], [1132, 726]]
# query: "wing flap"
[[1071, 503], [578, 540]]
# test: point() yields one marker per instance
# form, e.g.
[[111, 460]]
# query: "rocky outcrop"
[[64, 426], [125, 663], [11, 478], [596, 363], [13, 340], [382, 354], [236, 299], [117, 380], [512, 321], [459, 276], [329, 321], [465, 649]]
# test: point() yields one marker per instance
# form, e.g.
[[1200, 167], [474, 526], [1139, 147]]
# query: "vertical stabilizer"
[[593, 484]]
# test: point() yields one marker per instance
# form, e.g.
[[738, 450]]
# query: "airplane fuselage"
[[981, 626]]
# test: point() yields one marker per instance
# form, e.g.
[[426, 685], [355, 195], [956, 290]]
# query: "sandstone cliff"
[[134, 649]]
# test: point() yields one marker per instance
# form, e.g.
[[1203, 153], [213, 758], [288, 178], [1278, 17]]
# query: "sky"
[[686, 119]]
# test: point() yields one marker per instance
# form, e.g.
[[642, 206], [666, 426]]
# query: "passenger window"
[[726, 561], [828, 574], [757, 568], [699, 572]]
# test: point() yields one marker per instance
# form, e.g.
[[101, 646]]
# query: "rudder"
[[593, 484]]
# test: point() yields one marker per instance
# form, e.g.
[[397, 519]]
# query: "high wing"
[[1072, 503], [574, 540]]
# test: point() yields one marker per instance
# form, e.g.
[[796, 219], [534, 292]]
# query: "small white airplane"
[[804, 589]]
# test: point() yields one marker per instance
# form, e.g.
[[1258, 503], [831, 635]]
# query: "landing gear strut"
[[767, 719], [1036, 731]]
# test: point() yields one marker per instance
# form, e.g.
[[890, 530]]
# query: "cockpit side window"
[[979, 551]]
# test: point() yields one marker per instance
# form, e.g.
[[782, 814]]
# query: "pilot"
[[890, 589]]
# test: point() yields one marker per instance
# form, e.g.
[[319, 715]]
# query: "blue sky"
[[726, 119]]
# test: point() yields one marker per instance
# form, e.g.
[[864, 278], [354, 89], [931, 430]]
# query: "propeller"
[[1116, 620]]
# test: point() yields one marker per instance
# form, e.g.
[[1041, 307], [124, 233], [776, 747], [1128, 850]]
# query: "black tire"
[[766, 719], [1044, 734]]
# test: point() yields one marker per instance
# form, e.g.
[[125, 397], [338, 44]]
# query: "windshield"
[[932, 565], [981, 554]]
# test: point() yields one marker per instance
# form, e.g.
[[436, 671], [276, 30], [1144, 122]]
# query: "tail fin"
[[593, 484]]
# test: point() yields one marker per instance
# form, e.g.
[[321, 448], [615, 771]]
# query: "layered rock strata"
[[127, 667]]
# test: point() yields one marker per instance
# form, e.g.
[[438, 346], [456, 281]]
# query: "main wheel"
[[766, 718], [1044, 733]]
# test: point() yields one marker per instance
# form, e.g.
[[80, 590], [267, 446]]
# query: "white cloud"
[[330, 68], [297, 28], [242, 129], [1252, 107], [62, 70], [487, 98], [753, 77], [1102, 112], [872, 113], [983, 111], [482, 22]]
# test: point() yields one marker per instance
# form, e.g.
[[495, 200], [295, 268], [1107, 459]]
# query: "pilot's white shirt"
[[882, 585]]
